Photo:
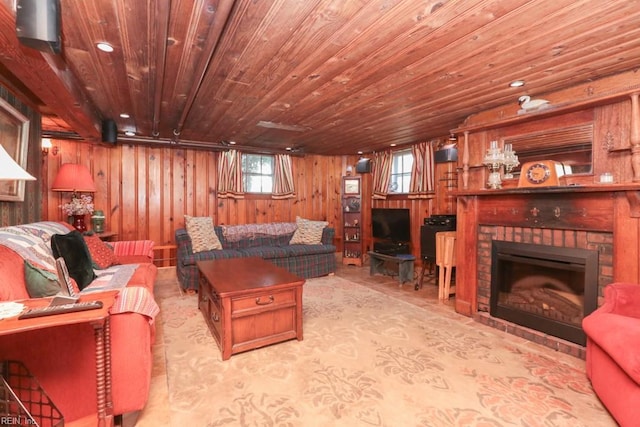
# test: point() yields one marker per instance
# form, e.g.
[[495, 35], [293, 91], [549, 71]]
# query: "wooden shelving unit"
[[351, 220]]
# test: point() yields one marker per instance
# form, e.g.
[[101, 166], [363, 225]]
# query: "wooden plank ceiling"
[[326, 77]]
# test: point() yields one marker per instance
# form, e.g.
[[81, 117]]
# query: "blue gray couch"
[[303, 260]]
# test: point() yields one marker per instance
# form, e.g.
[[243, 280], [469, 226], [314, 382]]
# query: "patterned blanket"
[[136, 299], [114, 277], [33, 241], [235, 233]]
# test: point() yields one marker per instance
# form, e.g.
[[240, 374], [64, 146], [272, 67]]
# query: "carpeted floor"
[[367, 359]]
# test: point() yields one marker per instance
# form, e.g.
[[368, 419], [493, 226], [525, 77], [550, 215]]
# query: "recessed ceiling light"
[[232, 143], [129, 133], [105, 47], [517, 83], [393, 145], [124, 115]]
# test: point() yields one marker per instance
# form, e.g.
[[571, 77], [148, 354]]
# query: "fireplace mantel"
[[612, 208]]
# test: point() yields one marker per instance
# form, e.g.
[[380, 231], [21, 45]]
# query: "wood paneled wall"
[[145, 191]]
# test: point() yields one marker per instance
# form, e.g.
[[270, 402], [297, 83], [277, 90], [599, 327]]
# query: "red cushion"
[[101, 254]]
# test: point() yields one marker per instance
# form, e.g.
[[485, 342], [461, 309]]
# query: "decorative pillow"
[[102, 254], [308, 232], [73, 249], [202, 234], [40, 283]]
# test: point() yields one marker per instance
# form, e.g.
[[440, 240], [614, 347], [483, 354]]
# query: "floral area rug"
[[368, 359]]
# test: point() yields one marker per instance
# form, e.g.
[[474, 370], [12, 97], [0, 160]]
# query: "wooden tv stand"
[[405, 265]]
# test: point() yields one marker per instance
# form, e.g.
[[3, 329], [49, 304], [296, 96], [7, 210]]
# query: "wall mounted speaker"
[[446, 155], [109, 131], [38, 24], [363, 166]]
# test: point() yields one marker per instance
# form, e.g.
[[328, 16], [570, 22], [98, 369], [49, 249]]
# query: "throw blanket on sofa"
[[136, 299], [235, 233], [33, 241], [112, 278]]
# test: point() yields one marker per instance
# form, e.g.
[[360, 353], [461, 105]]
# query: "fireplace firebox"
[[546, 288]]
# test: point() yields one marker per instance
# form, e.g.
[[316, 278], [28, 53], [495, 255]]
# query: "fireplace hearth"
[[546, 288]]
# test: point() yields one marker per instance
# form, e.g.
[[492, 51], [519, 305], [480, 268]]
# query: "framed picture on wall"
[[14, 138], [351, 186]]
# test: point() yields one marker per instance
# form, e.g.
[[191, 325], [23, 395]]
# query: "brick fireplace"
[[557, 243], [595, 219]]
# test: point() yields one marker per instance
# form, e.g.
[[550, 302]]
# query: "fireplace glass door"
[[546, 288]]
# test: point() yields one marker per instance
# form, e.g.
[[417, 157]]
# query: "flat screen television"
[[391, 224]]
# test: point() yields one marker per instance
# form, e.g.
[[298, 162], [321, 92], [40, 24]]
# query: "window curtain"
[[230, 175], [422, 173], [381, 171], [283, 187]]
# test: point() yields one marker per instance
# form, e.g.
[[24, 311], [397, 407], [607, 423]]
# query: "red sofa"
[[613, 351], [63, 359]]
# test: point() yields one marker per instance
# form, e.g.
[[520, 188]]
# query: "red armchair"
[[613, 351]]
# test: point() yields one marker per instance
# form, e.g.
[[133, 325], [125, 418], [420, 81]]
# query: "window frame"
[[404, 174], [246, 174]]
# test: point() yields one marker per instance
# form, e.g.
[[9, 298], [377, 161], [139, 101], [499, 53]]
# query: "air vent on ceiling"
[[282, 126]]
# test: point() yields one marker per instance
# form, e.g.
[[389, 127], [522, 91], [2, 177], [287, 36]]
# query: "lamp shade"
[[10, 170], [75, 178]]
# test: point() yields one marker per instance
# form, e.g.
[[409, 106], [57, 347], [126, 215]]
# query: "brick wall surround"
[[581, 239]]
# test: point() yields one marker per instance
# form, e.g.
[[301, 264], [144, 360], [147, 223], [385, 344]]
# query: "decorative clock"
[[541, 173]]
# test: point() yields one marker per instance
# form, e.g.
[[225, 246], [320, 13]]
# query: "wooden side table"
[[99, 320], [107, 236]]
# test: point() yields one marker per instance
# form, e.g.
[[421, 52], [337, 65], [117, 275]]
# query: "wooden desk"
[[99, 320]]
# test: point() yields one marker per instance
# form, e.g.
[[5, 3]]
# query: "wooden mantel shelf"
[[629, 187], [631, 190]]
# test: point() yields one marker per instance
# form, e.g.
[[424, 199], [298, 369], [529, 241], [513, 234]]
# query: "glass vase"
[[78, 223]]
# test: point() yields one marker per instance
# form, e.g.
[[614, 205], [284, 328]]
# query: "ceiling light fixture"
[[124, 115], [105, 47], [130, 133], [517, 83]]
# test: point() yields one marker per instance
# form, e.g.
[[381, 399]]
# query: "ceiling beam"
[[48, 78]]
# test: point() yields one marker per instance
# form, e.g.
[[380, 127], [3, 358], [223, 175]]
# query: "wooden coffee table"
[[249, 303]]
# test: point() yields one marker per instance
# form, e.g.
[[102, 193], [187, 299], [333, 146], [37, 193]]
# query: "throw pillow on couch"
[[308, 232], [40, 282], [202, 234], [101, 253], [74, 250]]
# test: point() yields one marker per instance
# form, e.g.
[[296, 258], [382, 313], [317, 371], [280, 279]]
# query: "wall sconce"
[[46, 145], [349, 170]]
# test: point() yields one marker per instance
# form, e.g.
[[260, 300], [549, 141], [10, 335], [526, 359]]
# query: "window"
[[401, 172], [257, 173]]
